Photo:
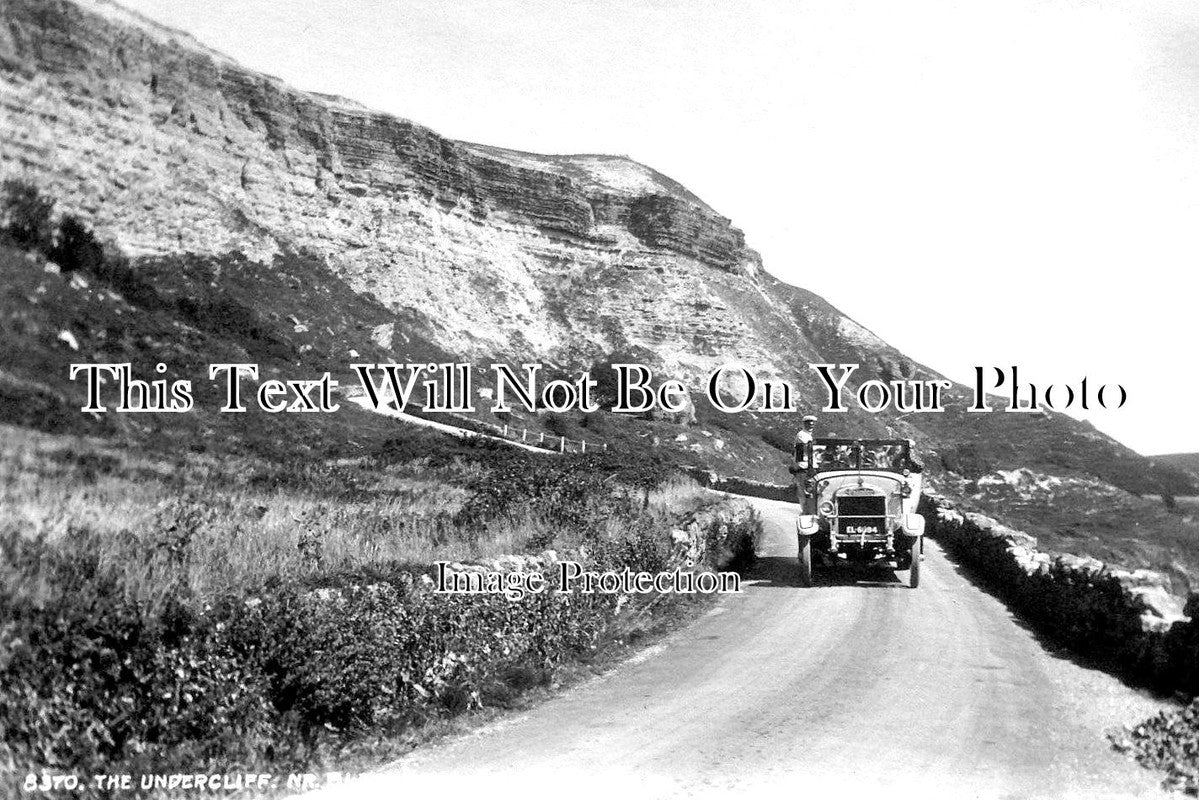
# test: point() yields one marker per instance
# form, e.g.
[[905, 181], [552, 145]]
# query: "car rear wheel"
[[805, 560]]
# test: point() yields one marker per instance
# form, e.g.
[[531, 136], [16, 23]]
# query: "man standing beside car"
[[804, 459], [803, 444]]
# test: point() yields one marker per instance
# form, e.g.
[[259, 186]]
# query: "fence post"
[[524, 434], [542, 439], [583, 444], [562, 445], [505, 433], [605, 447]]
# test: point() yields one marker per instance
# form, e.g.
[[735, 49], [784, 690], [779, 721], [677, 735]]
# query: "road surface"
[[856, 687]]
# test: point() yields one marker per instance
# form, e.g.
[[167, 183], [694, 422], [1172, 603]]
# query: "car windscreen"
[[887, 456]]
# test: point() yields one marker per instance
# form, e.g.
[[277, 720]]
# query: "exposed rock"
[[165, 146], [68, 338], [684, 416], [382, 335]]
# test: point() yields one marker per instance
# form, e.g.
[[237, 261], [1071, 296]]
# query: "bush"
[[26, 216], [575, 489], [90, 680], [76, 248], [1167, 742], [780, 438], [275, 675], [733, 545], [27, 223]]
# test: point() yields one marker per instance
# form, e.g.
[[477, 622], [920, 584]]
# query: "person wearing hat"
[[803, 459], [803, 443]]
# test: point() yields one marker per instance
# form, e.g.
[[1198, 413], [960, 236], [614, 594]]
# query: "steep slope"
[[169, 147], [1187, 462]]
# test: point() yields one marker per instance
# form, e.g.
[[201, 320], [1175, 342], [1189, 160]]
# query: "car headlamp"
[[826, 507], [905, 489]]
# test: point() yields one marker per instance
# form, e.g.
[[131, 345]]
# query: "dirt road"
[[858, 686]]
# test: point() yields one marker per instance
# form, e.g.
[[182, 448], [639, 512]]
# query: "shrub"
[[1167, 742], [26, 215], [116, 270], [76, 247], [734, 544], [274, 675], [88, 680], [780, 438]]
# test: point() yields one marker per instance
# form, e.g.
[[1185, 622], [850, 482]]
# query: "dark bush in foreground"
[[88, 682], [275, 676], [1167, 742], [76, 248]]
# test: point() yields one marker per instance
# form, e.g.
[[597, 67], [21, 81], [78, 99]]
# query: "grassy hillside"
[[271, 564], [250, 591], [296, 320], [1088, 517], [235, 613], [1187, 462]]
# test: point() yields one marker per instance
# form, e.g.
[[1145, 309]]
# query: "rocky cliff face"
[[168, 147]]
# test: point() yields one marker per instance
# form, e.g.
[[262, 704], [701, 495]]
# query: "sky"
[[1000, 183]]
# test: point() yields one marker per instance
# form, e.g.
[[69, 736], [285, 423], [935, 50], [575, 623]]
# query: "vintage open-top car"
[[859, 499]]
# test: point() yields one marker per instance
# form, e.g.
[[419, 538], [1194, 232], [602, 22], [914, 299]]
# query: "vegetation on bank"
[[245, 591], [1168, 742], [242, 615], [68, 297], [1087, 517]]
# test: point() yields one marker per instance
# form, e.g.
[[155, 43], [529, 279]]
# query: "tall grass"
[[158, 614], [205, 527]]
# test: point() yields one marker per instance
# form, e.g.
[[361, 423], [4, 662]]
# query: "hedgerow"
[[275, 675]]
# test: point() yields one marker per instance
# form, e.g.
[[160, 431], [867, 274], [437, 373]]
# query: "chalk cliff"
[[169, 147]]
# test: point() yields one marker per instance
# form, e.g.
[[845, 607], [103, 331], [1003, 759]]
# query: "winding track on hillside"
[[858, 686]]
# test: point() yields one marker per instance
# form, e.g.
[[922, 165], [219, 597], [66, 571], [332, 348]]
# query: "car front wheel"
[[805, 560]]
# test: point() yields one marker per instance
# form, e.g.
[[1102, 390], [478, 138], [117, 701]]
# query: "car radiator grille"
[[873, 506]]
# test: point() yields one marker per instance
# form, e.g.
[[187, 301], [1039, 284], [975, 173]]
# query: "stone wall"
[[743, 486], [1125, 619]]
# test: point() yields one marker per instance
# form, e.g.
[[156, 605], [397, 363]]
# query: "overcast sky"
[[995, 183]]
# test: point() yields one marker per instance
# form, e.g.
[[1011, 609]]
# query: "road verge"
[[1127, 620]]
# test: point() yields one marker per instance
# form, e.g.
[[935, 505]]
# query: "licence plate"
[[854, 528]]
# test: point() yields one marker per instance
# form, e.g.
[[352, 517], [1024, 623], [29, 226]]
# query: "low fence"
[[541, 439], [551, 442]]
